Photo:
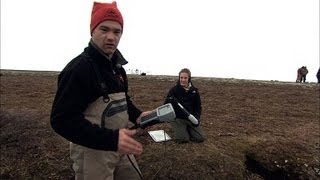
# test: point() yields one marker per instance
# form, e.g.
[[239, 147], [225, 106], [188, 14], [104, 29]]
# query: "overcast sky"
[[243, 39]]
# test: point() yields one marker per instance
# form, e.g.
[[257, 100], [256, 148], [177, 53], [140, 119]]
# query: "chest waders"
[[107, 165], [91, 164]]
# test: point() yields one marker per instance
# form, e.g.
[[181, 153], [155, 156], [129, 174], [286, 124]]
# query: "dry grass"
[[254, 130]]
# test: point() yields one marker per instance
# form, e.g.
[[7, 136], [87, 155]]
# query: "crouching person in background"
[[185, 93]]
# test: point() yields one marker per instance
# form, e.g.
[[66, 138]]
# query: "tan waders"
[[91, 164]]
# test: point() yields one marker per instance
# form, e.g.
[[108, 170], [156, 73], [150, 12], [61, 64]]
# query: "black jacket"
[[78, 86], [189, 99]]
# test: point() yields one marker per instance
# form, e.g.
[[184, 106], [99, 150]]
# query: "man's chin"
[[109, 52]]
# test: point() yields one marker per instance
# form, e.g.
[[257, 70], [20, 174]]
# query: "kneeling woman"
[[185, 93]]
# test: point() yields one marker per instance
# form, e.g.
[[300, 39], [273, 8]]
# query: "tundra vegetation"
[[253, 129]]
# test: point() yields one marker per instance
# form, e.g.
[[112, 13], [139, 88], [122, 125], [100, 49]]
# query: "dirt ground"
[[253, 129]]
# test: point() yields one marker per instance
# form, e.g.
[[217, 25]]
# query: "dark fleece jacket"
[[78, 86], [189, 99]]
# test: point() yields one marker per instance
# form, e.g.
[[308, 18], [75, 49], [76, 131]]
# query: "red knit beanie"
[[104, 11]]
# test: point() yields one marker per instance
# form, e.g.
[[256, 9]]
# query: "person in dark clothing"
[[92, 109], [318, 75], [299, 76], [185, 93], [304, 71], [302, 74]]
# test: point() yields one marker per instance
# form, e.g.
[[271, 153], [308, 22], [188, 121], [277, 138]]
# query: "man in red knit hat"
[[92, 109]]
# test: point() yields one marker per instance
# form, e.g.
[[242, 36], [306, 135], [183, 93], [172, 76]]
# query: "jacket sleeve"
[[67, 117], [170, 97], [133, 111], [197, 108]]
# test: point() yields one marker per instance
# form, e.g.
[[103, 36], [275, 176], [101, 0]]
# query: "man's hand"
[[143, 114], [126, 143], [146, 129]]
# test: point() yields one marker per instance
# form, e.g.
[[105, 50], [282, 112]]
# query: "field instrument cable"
[[137, 170], [165, 155], [164, 113]]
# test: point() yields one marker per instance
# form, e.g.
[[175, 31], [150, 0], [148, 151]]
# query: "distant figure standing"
[[302, 74], [298, 76], [318, 75]]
